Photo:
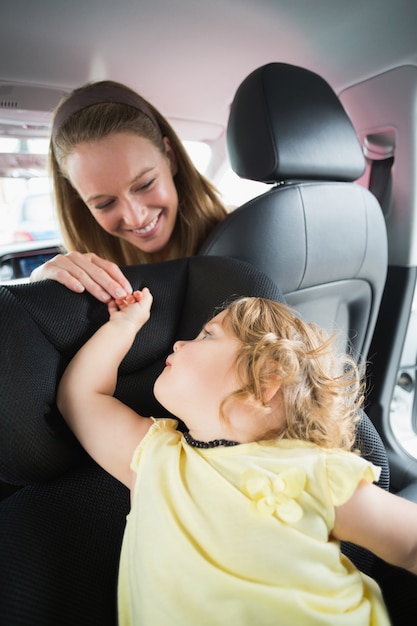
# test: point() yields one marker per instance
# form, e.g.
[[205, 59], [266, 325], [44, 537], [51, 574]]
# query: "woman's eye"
[[104, 205], [146, 185]]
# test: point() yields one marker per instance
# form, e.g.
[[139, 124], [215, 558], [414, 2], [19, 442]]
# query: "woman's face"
[[127, 185]]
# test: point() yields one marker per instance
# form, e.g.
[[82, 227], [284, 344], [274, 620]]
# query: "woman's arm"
[[106, 428], [85, 272], [383, 523]]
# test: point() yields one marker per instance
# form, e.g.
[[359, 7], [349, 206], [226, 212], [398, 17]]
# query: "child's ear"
[[271, 389]]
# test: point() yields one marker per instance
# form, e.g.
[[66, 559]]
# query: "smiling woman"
[[126, 190]]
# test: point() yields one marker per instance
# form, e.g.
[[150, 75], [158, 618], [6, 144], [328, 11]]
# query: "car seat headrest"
[[286, 123]]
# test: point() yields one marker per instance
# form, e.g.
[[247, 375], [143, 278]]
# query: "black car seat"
[[62, 525], [62, 517], [319, 236]]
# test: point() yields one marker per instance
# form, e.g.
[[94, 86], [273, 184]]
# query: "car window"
[[236, 191], [26, 211], [403, 411]]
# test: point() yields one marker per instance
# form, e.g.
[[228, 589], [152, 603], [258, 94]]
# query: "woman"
[[126, 190]]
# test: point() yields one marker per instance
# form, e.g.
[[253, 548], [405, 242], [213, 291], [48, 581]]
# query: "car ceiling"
[[188, 56]]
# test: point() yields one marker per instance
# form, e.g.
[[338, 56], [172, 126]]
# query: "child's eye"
[[205, 334]]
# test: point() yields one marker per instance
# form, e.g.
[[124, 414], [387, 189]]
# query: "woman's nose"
[[133, 211], [177, 345]]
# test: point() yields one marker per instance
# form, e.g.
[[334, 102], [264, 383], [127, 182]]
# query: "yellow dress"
[[239, 536]]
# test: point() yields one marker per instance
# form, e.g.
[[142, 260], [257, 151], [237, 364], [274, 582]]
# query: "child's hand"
[[134, 308]]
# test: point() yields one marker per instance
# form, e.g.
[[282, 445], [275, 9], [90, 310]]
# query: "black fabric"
[[44, 324], [59, 550], [370, 444], [399, 589], [61, 533]]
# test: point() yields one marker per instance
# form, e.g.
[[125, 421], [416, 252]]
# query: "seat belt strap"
[[380, 178]]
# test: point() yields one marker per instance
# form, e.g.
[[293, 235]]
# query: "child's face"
[[198, 376]]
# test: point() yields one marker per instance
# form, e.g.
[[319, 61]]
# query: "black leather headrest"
[[286, 123]]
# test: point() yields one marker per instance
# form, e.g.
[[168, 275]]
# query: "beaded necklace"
[[208, 444]]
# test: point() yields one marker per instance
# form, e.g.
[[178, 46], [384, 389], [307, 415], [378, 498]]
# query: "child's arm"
[[383, 523], [106, 428]]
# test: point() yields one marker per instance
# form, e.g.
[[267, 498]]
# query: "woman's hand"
[[85, 272]]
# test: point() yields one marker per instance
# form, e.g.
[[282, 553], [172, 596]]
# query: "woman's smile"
[[149, 229]]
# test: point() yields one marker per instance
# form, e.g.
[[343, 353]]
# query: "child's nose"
[[177, 345]]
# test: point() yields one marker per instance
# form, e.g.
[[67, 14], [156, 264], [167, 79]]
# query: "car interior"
[[308, 113]]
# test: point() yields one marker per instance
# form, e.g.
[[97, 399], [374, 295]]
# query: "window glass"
[[26, 210], [403, 411], [9, 144], [200, 154], [26, 207], [236, 191]]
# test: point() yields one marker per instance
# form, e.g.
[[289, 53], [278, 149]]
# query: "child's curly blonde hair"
[[321, 389]]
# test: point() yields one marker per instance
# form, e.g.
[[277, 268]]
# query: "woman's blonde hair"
[[321, 390], [199, 207]]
